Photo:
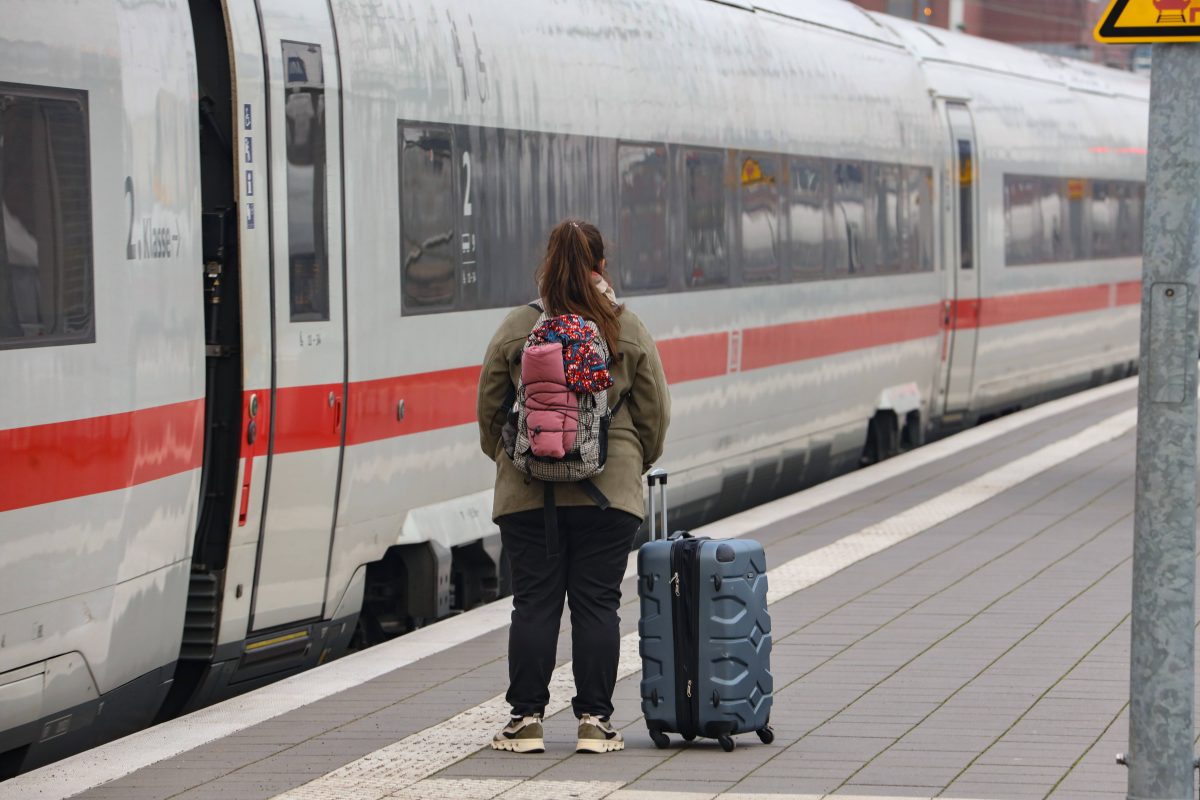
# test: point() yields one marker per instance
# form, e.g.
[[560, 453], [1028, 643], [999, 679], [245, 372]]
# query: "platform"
[[951, 623]]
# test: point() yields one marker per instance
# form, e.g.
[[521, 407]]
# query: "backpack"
[[553, 433]]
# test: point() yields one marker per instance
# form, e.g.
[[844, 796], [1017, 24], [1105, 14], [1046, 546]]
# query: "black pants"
[[594, 546]]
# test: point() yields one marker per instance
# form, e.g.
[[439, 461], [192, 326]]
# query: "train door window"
[[889, 218], [966, 204], [1022, 220], [706, 238], [643, 256], [308, 248], [1105, 207], [846, 243], [917, 238], [806, 218], [45, 218], [427, 199], [761, 218]]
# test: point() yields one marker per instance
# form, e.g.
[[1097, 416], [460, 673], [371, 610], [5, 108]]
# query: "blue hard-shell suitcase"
[[705, 634]]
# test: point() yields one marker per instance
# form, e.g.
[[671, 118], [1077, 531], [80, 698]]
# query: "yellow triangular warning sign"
[[1130, 21]]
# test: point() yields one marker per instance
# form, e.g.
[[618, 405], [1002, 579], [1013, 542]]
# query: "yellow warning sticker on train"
[[1128, 21]]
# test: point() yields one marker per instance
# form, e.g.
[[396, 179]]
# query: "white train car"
[[251, 252]]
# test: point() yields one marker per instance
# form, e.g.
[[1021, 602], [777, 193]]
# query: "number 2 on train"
[[466, 162]]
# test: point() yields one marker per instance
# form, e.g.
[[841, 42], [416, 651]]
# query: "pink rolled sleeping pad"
[[553, 409]]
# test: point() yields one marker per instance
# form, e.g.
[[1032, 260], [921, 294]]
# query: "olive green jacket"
[[635, 438]]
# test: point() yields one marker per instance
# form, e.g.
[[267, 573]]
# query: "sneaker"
[[597, 735], [521, 735]]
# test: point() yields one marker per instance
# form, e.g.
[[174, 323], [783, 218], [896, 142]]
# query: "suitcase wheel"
[[689, 737], [766, 734], [726, 743], [660, 739]]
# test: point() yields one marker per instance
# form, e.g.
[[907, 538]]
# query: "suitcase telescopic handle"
[[658, 525]]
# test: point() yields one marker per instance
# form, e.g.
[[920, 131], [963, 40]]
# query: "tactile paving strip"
[[493, 789]]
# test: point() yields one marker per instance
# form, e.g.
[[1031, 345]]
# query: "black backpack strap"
[[550, 511], [593, 492], [612, 412]]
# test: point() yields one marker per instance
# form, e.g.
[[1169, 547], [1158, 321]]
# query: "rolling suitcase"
[[705, 633]]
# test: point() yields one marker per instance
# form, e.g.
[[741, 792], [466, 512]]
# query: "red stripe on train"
[[307, 418], [431, 400], [772, 345], [1129, 293], [45, 463], [1008, 309], [60, 460], [691, 358]]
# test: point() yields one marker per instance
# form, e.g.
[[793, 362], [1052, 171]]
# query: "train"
[[251, 252]]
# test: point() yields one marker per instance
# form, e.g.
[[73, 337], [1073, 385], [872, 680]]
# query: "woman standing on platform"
[[593, 544]]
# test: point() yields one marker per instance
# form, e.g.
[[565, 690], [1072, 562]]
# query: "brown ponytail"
[[573, 253]]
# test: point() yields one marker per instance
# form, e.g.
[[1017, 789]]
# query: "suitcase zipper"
[[686, 628]]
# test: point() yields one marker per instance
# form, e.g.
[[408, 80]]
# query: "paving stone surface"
[[986, 657]]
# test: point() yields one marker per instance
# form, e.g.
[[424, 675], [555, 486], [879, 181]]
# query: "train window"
[[308, 248], [762, 237], [1075, 206], [1105, 207], [1053, 245], [918, 219], [1129, 219], [706, 247], [428, 259], [846, 244], [889, 218], [45, 218], [806, 216], [642, 226], [1054, 220], [532, 183], [1022, 220], [501, 218]]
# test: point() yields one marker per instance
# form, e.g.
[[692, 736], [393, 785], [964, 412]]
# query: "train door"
[[309, 339], [962, 309]]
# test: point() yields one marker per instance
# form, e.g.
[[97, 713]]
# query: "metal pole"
[[1161, 676]]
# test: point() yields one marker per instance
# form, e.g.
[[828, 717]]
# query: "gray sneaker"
[[597, 735], [521, 735]]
